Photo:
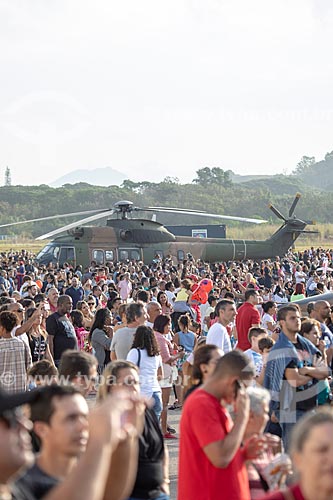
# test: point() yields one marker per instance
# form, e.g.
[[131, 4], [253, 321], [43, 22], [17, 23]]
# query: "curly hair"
[[144, 338]]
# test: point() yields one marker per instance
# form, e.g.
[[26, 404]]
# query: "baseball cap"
[[11, 401]]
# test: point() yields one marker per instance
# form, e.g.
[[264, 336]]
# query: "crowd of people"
[[101, 355]]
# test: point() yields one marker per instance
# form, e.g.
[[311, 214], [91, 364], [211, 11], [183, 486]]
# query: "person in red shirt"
[[211, 456], [247, 317], [101, 275]]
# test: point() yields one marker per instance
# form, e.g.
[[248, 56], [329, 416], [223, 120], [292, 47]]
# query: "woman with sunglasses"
[[92, 304]]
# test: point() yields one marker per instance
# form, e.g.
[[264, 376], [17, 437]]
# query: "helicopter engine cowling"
[[126, 235]]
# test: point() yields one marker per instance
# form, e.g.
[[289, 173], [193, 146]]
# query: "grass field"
[[15, 245], [324, 238]]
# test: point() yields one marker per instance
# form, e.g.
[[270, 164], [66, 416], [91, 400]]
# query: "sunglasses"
[[91, 303]]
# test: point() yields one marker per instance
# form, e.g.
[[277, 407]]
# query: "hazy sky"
[[155, 88]]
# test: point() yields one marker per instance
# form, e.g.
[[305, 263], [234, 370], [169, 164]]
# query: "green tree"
[[8, 177], [213, 176], [304, 165], [329, 156], [204, 176], [171, 180], [221, 177], [130, 185]]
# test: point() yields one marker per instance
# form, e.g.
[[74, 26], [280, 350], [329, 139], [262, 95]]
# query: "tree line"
[[212, 190]]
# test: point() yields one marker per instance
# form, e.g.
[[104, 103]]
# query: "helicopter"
[[127, 238]]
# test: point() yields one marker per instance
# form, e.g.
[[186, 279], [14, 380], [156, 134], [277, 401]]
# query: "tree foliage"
[[209, 176], [304, 165], [211, 191]]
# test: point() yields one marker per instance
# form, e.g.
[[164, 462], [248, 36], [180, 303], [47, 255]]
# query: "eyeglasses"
[[91, 303]]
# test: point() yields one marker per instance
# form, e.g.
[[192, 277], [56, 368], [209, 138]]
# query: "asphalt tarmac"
[[173, 447]]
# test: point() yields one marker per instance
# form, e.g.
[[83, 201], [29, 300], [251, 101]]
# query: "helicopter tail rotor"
[[293, 205], [277, 212], [296, 225]]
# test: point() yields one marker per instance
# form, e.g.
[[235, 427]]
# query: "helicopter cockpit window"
[[135, 255], [109, 255], [55, 252], [180, 255], [67, 254], [98, 256], [70, 254], [44, 251], [123, 254]]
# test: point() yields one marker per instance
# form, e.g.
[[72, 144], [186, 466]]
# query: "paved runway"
[[173, 446]]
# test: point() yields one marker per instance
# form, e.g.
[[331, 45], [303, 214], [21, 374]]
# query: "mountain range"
[[106, 176], [315, 176]]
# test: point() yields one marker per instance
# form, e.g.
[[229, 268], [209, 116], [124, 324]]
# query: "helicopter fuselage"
[[142, 240]]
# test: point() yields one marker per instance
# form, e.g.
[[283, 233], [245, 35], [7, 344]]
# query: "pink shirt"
[[125, 288], [164, 345]]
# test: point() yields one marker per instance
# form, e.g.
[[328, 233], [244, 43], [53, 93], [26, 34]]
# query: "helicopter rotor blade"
[[50, 217], [277, 212], [174, 209], [294, 203], [106, 213], [204, 214]]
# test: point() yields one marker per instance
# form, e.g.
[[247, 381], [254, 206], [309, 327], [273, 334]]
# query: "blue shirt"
[[283, 396], [187, 340], [256, 359]]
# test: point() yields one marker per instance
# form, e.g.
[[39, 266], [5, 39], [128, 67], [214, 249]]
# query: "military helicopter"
[[127, 238]]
